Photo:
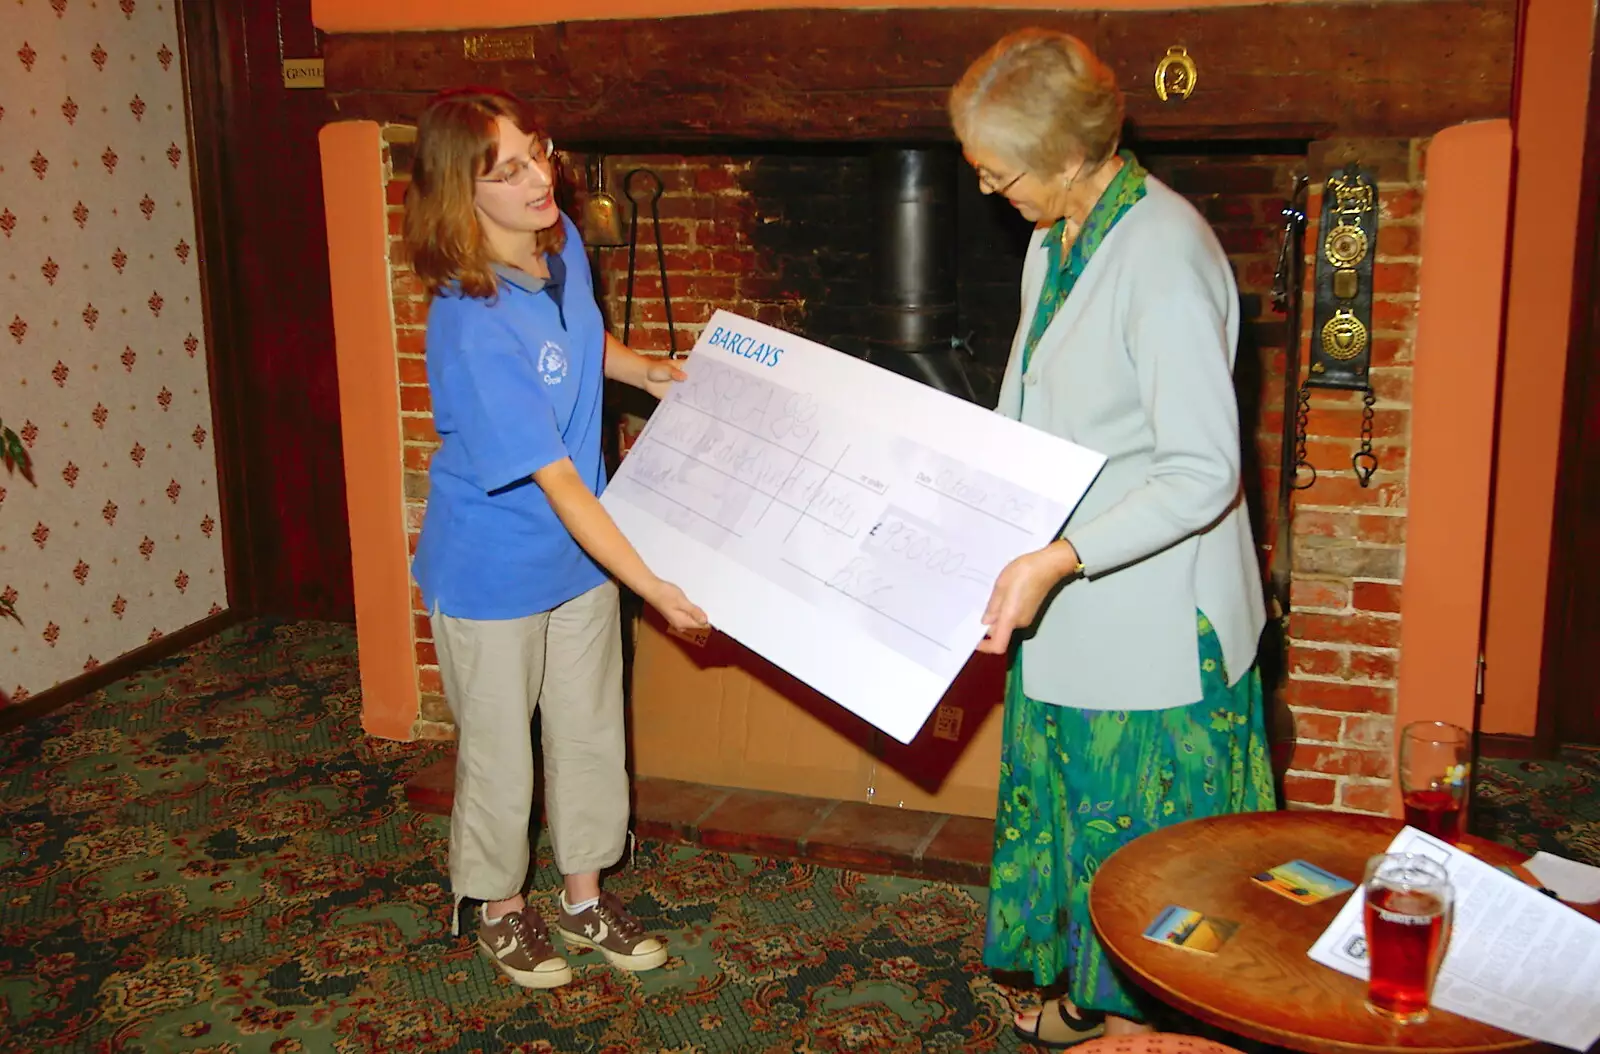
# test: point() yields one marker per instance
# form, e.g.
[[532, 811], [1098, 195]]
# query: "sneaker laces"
[[528, 933], [615, 916]]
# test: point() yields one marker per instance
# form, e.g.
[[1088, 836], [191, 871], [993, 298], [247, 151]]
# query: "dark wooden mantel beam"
[[1295, 70]]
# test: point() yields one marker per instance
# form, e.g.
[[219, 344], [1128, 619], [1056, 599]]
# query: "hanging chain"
[[1305, 473], [1364, 461]]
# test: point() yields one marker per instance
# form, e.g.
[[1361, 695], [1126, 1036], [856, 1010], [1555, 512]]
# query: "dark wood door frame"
[[1567, 676]]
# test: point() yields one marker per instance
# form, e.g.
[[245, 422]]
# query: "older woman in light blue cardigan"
[[1133, 700]]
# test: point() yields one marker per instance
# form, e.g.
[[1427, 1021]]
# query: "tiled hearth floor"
[[819, 830]]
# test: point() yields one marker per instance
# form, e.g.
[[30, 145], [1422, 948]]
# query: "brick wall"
[[783, 236], [1344, 633]]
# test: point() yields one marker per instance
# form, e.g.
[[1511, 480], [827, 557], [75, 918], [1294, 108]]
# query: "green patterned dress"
[[1076, 785]]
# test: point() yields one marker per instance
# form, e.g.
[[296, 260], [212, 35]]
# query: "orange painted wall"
[[1554, 87], [369, 409], [1461, 297], [371, 16]]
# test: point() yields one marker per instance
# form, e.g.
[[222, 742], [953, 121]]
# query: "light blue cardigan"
[[1137, 365]]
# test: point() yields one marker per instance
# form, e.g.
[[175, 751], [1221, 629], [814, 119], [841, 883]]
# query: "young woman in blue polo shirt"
[[516, 548]]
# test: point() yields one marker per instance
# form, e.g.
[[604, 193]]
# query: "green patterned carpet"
[[1551, 805], [211, 856]]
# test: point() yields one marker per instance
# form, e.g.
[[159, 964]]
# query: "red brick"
[[1258, 274], [1399, 239], [1391, 385], [1368, 732], [703, 287], [396, 222], [1339, 695], [421, 627], [1376, 596], [1312, 593], [414, 399], [1344, 422], [1367, 797], [686, 207], [395, 192], [1309, 790], [417, 457], [1381, 530], [732, 261], [406, 286], [1316, 662], [416, 599], [725, 233], [1237, 240], [1391, 351], [1343, 490], [1320, 524], [1316, 728], [1374, 665], [710, 179], [428, 679], [1345, 629], [411, 340], [419, 429], [413, 371], [426, 656], [411, 543], [410, 311], [1340, 761], [1395, 316], [678, 232], [689, 260], [1394, 277], [1400, 203]]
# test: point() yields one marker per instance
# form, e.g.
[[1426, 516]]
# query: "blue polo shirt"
[[516, 385]]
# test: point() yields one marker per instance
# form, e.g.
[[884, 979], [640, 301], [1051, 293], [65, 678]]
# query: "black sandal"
[[1057, 1030]]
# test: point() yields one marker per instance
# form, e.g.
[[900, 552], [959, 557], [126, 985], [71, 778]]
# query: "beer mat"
[[1190, 930], [1302, 882]]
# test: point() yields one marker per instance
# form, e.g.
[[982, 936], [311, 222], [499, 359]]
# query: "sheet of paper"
[[1570, 880], [1517, 959], [840, 520]]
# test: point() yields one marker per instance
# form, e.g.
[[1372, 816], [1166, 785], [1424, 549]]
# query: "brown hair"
[[457, 144], [1037, 97]]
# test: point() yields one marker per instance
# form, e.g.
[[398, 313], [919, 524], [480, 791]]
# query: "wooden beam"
[[1400, 68]]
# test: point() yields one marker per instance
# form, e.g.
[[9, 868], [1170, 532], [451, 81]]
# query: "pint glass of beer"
[[1408, 907]]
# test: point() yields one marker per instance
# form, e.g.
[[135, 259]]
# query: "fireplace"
[[854, 223]]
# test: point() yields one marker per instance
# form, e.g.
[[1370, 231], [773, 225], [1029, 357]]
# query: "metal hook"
[[1365, 463]]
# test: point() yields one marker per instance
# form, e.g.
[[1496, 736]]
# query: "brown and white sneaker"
[[519, 945], [607, 926]]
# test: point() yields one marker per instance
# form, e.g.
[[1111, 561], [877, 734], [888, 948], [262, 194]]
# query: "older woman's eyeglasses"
[[989, 183], [516, 171]]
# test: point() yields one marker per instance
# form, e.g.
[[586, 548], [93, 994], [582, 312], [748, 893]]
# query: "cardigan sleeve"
[[1176, 327]]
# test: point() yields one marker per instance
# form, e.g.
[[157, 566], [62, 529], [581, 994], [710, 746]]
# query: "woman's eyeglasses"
[[516, 171], [989, 184]]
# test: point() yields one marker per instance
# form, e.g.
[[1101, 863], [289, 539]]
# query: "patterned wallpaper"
[[103, 367]]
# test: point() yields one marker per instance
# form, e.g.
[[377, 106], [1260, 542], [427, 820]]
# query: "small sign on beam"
[[302, 73]]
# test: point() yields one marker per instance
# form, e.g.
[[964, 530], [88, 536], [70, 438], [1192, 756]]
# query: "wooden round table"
[[1261, 983]]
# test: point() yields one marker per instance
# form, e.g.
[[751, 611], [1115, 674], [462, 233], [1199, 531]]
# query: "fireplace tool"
[[1287, 288], [633, 251], [602, 215]]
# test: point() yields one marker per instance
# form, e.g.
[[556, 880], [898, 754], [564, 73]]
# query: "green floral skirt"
[[1077, 785]]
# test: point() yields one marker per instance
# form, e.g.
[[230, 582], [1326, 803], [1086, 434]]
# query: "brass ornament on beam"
[[1176, 74]]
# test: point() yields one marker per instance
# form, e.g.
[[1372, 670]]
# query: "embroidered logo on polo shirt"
[[552, 363]]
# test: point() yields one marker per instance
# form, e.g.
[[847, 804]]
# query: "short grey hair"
[[1039, 97]]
